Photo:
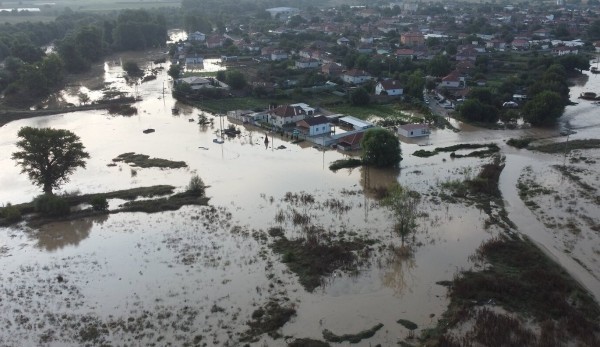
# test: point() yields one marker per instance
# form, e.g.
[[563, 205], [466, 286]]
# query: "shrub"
[[196, 186], [99, 203], [11, 213], [51, 205]]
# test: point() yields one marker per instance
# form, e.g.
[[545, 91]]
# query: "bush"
[[99, 203], [11, 213], [51, 205], [196, 186]]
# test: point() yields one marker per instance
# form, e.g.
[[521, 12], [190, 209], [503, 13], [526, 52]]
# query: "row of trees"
[[81, 39]]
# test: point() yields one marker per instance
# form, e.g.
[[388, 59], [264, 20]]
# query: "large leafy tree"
[[48, 156], [544, 109], [381, 148]]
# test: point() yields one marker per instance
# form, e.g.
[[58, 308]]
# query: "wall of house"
[[319, 129]]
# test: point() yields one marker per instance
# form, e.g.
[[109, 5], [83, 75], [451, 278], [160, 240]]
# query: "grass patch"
[[144, 161], [267, 319], [562, 147], [352, 338], [312, 260], [171, 203], [519, 143], [345, 164], [521, 279], [491, 149], [308, 343]]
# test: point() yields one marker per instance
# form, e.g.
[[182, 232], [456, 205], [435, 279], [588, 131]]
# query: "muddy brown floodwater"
[[197, 274]]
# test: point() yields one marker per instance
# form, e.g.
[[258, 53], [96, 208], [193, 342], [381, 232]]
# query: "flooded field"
[[199, 275]]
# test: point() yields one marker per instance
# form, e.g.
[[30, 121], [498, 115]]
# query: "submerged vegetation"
[[491, 149], [144, 161], [319, 256], [516, 271], [567, 146], [345, 164], [268, 319], [352, 338]]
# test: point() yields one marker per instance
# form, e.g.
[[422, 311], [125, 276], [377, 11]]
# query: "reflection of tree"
[[376, 181], [54, 236], [397, 275]]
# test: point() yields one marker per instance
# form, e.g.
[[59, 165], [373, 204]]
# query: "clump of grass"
[[267, 319], [196, 186], [352, 338], [11, 213], [562, 147], [345, 164], [171, 203], [411, 326], [312, 260], [519, 143], [124, 110], [491, 149], [144, 161], [522, 279], [308, 343], [424, 153]]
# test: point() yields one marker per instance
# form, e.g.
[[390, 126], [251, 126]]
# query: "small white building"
[[278, 55], [389, 87], [197, 36], [414, 130], [355, 123], [195, 60], [314, 126], [356, 76], [307, 64]]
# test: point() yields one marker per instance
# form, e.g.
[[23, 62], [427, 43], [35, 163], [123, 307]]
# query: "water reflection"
[[398, 271], [54, 236], [376, 181]]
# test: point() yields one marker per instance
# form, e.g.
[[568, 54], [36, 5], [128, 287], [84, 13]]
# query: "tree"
[[236, 80], [544, 109], [359, 97], [174, 71], [439, 65], [415, 85], [132, 68], [48, 156], [402, 203], [381, 148]]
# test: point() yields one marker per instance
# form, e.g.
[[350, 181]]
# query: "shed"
[[414, 130]]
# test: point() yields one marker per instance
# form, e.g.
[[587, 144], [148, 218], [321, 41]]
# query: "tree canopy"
[[359, 97], [544, 109], [48, 156], [381, 148]]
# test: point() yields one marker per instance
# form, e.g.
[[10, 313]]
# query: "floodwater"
[[201, 271]]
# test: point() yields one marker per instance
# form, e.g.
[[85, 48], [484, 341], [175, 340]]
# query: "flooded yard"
[[202, 274]]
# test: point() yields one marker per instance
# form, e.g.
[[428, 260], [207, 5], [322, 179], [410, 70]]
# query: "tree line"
[[80, 40]]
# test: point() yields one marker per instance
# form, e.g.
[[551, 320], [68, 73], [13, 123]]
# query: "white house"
[[279, 55], [314, 126], [285, 114], [453, 80], [413, 130], [309, 111], [197, 36], [342, 41], [194, 60], [389, 87], [356, 76], [307, 64]]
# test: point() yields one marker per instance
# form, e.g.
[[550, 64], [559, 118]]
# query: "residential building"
[[453, 80], [389, 87], [314, 126], [285, 115], [197, 36], [356, 76], [413, 130], [412, 38], [332, 69], [307, 64], [195, 82], [282, 12]]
